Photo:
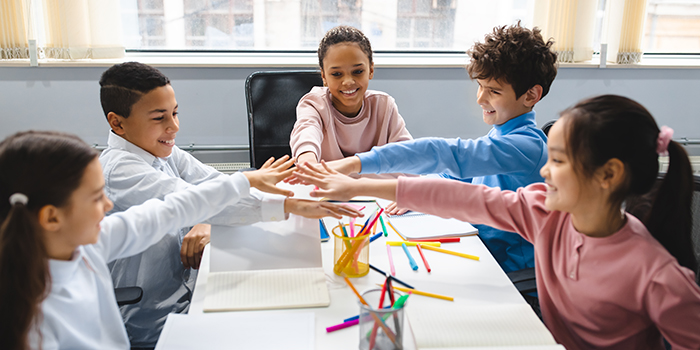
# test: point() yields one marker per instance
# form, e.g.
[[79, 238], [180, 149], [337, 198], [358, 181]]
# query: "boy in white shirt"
[[142, 162]]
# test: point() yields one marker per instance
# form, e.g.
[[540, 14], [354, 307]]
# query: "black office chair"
[[547, 126], [271, 99], [128, 295]]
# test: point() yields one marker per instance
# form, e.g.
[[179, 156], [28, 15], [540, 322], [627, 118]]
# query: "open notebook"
[[272, 265], [460, 326], [415, 225]]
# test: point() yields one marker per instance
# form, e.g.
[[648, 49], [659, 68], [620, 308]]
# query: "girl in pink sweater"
[[606, 280], [343, 117]]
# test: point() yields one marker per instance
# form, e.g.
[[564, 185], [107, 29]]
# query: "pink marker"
[[391, 260], [342, 325]]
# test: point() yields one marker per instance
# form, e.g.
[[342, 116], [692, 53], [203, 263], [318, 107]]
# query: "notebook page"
[[266, 289], [446, 326], [415, 225], [239, 330]]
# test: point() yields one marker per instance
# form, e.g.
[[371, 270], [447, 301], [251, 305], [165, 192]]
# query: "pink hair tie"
[[665, 136]]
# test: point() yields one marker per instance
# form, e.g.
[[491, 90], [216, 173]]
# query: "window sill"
[[309, 60]]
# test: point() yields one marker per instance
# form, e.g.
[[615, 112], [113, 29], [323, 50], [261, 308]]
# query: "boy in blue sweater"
[[514, 68]]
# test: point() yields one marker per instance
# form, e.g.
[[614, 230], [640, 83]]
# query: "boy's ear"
[[49, 218], [533, 95], [115, 122], [371, 70], [611, 174]]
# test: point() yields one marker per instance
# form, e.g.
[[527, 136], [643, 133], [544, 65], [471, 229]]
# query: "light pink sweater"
[[321, 129], [615, 292]]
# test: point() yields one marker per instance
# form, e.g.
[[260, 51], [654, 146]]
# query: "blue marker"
[[414, 266], [371, 239]]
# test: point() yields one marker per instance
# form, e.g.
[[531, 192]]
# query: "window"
[[392, 25], [672, 26]]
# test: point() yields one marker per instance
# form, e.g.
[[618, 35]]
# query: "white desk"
[[468, 281]]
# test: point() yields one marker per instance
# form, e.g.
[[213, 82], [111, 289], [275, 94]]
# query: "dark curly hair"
[[343, 34], [515, 55], [122, 85]]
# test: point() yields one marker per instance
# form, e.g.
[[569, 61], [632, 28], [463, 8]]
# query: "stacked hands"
[[264, 179], [329, 176]]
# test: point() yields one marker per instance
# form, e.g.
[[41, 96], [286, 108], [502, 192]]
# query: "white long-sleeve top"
[[133, 176], [81, 311]]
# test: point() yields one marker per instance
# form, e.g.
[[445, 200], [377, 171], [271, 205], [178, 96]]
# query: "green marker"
[[383, 227]]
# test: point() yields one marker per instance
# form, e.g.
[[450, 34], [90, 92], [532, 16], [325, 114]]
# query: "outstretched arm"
[[272, 172], [317, 210], [334, 185]]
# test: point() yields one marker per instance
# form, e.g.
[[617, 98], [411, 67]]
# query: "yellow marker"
[[473, 257], [426, 294], [413, 244]]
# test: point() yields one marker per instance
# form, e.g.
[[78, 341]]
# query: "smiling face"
[[347, 72], [153, 122], [566, 190], [499, 103], [80, 218]]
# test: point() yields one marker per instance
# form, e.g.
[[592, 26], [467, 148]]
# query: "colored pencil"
[[426, 294], [425, 262], [392, 277], [412, 244], [412, 262], [468, 256]]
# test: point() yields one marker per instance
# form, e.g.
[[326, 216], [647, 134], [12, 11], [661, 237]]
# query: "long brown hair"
[[606, 127], [46, 167]]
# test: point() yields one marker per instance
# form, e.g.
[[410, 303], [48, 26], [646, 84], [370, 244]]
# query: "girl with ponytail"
[[605, 279]]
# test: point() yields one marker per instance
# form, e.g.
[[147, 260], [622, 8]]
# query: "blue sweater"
[[508, 157]]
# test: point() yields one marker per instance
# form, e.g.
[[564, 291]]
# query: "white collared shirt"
[[81, 311], [132, 176]]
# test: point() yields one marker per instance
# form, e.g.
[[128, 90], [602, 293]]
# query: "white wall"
[[433, 101]]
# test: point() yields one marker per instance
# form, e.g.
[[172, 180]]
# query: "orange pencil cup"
[[350, 254]]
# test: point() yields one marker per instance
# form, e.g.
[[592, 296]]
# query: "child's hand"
[[317, 210], [193, 245], [347, 165], [331, 183], [393, 209], [272, 172]]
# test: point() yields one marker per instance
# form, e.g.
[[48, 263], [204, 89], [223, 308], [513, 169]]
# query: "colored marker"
[[386, 233], [413, 244], [371, 239], [345, 324], [391, 260], [392, 277], [414, 266], [425, 262]]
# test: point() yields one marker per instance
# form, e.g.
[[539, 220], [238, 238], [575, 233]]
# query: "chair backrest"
[[547, 126], [271, 99], [696, 225]]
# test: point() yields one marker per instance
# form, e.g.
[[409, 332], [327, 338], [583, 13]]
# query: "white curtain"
[[77, 29], [624, 30], [65, 29], [571, 24], [14, 29]]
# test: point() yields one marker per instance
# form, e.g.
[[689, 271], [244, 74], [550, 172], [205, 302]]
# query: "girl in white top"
[[343, 117], [55, 243]]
